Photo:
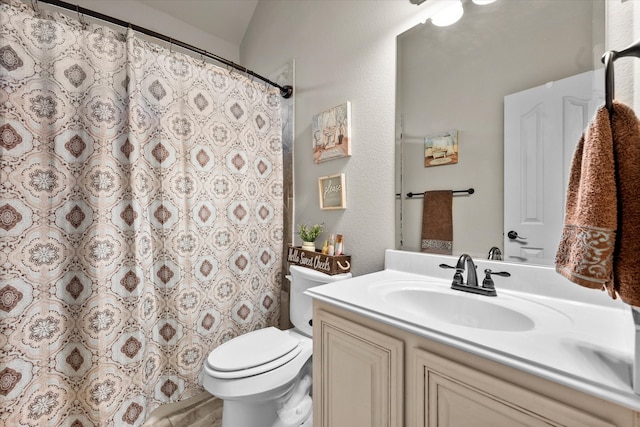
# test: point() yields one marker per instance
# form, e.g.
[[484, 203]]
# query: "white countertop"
[[581, 338]]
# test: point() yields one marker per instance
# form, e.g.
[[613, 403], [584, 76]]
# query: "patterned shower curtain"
[[140, 219]]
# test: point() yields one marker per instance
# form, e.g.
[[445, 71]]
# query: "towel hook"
[[608, 58], [609, 85]]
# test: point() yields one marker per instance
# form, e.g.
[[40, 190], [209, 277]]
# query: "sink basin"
[[436, 303], [461, 310]]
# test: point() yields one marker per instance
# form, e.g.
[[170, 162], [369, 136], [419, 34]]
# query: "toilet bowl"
[[264, 376]]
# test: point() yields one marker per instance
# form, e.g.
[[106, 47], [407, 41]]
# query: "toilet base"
[[291, 408], [255, 414], [263, 414]]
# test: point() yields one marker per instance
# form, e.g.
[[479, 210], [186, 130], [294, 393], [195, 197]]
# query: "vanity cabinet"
[[367, 373], [362, 375]]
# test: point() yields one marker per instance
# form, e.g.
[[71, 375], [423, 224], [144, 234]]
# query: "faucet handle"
[[487, 283], [457, 277], [488, 272]]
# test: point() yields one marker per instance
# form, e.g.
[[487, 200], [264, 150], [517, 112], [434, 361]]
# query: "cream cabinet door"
[[455, 395], [357, 375]]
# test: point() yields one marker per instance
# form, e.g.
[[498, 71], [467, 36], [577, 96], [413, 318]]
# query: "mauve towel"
[[600, 244], [437, 222]]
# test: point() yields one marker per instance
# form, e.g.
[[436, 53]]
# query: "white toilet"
[[264, 376]]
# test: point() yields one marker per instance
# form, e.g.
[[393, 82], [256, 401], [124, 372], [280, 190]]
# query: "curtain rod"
[[285, 91]]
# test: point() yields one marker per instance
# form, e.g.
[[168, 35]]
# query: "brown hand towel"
[[585, 253], [626, 145], [437, 222], [599, 247]]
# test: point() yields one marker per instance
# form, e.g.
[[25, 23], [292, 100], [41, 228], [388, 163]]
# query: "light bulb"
[[449, 15]]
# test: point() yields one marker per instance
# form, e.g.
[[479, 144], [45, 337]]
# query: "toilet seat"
[[253, 353], [238, 386], [258, 374]]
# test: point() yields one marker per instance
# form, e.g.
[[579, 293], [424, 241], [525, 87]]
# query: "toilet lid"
[[253, 349]]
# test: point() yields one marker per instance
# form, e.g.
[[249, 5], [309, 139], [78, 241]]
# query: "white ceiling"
[[226, 19]]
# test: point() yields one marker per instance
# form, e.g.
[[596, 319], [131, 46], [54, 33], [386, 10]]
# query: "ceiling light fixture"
[[450, 14]]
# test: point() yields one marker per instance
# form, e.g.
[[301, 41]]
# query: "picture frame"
[[331, 133], [332, 191], [441, 149]]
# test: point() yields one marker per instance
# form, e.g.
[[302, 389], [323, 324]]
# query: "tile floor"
[[203, 410]]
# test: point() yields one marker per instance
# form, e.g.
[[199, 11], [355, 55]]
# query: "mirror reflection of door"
[[542, 126]]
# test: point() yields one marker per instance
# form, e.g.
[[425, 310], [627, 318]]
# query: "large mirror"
[[456, 78]]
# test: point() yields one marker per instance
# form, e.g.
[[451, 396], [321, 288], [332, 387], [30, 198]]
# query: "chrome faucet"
[[495, 254], [465, 263]]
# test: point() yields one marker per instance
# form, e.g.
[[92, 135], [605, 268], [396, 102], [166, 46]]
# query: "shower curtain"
[[140, 219]]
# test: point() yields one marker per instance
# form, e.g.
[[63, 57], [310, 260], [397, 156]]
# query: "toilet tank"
[[300, 305]]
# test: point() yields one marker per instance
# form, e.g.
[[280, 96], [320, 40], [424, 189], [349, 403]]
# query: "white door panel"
[[542, 126]]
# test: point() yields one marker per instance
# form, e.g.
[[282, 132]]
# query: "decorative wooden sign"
[[318, 261]]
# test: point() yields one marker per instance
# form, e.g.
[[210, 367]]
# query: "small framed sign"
[[333, 194]]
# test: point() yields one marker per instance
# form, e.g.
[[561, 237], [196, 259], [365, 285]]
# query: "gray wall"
[[344, 51], [145, 15]]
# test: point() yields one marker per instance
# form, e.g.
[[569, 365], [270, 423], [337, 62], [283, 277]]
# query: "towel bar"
[[411, 195]]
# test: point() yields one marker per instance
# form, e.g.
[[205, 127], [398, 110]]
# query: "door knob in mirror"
[[514, 235]]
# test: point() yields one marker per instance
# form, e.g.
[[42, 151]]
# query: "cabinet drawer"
[[456, 395]]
